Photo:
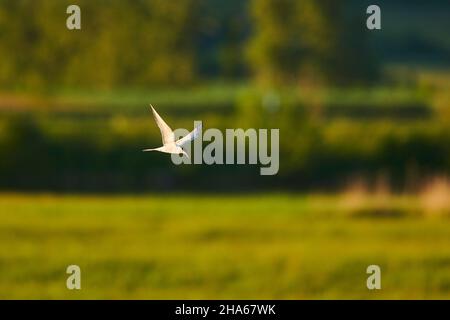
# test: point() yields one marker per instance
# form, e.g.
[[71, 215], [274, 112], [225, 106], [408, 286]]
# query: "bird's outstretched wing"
[[191, 136], [166, 133]]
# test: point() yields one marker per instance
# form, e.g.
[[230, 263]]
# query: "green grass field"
[[210, 247]]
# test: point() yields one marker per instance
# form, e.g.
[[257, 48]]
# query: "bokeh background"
[[364, 125]]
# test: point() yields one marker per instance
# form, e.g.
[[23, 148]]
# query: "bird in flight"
[[168, 137]]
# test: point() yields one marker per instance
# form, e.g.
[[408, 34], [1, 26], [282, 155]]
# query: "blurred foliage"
[[73, 104], [121, 43], [319, 41], [161, 43], [327, 137]]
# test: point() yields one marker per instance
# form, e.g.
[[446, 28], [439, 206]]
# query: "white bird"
[[168, 137]]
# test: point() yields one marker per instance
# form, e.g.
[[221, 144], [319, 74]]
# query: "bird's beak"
[[185, 153]]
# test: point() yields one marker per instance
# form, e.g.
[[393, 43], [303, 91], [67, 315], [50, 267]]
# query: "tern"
[[168, 137]]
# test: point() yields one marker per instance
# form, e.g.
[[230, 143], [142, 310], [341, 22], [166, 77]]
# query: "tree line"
[[159, 42]]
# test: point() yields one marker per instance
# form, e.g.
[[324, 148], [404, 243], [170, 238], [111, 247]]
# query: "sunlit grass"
[[192, 246], [219, 96]]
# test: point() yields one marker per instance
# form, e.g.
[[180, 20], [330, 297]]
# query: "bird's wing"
[[191, 136], [166, 133]]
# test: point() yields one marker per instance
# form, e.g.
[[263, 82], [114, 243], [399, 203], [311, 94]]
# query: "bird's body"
[[168, 137], [168, 148]]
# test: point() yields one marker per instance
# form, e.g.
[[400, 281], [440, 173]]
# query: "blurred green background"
[[364, 125]]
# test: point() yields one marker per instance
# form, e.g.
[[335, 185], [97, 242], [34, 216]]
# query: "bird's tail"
[[147, 150]]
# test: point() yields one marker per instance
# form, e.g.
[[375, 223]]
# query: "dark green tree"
[[310, 40]]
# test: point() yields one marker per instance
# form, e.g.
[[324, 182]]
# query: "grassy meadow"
[[281, 246]]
